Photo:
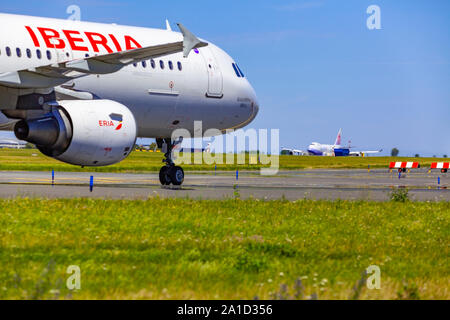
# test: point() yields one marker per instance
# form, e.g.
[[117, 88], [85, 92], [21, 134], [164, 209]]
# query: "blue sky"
[[315, 65]]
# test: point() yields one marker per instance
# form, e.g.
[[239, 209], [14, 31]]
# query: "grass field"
[[33, 160], [231, 249]]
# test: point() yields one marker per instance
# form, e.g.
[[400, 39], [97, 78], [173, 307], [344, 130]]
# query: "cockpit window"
[[240, 71], [236, 70]]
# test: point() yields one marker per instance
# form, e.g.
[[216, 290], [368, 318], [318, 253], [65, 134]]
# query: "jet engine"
[[84, 133]]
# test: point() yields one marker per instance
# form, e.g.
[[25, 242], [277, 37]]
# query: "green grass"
[[33, 160], [230, 249]]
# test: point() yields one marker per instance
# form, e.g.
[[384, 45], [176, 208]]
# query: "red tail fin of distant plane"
[[339, 139]]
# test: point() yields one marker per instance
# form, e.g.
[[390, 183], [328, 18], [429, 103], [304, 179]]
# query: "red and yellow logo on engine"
[[119, 126], [109, 123]]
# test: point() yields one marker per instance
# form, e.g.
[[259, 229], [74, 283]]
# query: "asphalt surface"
[[292, 185]]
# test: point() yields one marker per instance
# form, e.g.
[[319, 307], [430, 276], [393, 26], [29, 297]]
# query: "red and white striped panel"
[[440, 165], [404, 165]]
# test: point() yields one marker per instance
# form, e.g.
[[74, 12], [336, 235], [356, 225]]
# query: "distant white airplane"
[[12, 144], [335, 150], [196, 150], [178, 148]]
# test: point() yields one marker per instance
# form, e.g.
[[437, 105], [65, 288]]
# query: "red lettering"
[[33, 36], [73, 40], [107, 123], [116, 43], [96, 42], [129, 41], [50, 34]]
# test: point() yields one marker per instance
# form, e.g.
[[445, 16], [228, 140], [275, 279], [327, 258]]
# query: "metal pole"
[[91, 184]]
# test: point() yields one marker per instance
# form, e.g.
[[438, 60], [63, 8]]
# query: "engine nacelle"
[[84, 133]]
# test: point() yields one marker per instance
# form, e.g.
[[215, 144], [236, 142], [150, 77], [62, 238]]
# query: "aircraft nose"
[[254, 102]]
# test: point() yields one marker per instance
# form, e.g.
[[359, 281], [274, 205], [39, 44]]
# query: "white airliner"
[[12, 144], [330, 150], [83, 92]]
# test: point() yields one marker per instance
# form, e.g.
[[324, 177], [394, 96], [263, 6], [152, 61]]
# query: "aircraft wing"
[[294, 151], [360, 153], [60, 73]]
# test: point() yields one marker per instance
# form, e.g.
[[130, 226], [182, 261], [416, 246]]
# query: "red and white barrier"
[[440, 165], [404, 165]]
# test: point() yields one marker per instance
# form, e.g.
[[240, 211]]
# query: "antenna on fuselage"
[[168, 27]]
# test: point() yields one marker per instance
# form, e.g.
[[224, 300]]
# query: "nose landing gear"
[[170, 173]]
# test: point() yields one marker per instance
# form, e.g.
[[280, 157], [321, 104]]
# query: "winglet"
[[190, 41]]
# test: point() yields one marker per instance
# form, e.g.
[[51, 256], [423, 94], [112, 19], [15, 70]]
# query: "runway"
[[290, 185]]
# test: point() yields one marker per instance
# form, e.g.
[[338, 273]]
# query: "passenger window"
[[161, 64], [38, 54], [87, 55], [135, 65], [19, 52], [29, 53], [8, 51], [152, 62], [180, 66], [49, 55], [236, 70], [144, 64], [170, 65]]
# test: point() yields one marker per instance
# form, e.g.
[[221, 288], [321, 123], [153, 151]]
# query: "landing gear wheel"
[[170, 174], [164, 176], [176, 175]]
